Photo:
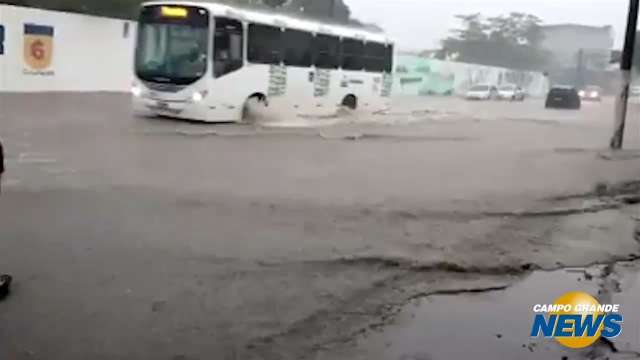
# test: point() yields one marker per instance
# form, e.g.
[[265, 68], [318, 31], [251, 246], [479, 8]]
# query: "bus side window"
[[265, 45], [326, 51], [352, 51], [227, 46], [388, 59], [297, 48], [374, 57]]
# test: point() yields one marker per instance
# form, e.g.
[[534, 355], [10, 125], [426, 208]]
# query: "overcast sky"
[[421, 24]]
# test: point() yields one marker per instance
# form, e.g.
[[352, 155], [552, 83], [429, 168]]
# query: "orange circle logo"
[[37, 50]]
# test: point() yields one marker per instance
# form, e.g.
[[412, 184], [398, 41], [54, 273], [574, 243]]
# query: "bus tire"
[[350, 102], [254, 99]]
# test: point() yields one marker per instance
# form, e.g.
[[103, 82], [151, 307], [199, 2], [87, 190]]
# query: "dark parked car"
[[563, 97]]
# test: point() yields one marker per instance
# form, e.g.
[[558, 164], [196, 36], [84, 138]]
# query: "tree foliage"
[[336, 10], [511, 41], [125, 9]]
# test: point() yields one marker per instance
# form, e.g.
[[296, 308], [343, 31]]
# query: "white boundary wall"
[[417, 75], [89, 53]]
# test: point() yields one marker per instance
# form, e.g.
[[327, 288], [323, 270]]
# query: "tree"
[[331, 10], [516, 28], [473, 28], [335, 10], [110, 8], [274, 3], [511, 41], [15, 2]]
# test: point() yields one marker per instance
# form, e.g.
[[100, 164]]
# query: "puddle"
[[496, 325]]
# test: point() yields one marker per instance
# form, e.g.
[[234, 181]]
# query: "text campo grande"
[[569, 308]]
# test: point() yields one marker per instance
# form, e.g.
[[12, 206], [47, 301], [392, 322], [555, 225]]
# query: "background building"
[[580, 54]]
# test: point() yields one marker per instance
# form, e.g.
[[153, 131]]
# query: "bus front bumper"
[[187, 110]]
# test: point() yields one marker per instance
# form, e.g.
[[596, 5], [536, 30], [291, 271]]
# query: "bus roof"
[[281, 20]]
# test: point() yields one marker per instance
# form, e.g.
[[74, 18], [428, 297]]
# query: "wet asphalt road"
[[145, 238]]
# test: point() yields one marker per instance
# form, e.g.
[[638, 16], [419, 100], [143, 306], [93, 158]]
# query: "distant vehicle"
[[511, 92], [482, 92], [563, 97], [591, 93]]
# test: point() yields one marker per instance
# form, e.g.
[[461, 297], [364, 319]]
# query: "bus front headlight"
[[136, 90], [198, 96]]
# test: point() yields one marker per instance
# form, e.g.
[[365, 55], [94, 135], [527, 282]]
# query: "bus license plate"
[[162, 105]]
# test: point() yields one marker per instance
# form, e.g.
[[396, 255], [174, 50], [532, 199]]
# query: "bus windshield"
[[172, 44]]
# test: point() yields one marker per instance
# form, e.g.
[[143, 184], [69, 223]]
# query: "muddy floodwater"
[[497, 325], [147, 238]]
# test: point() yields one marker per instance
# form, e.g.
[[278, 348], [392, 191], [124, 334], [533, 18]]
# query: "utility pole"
[[626, 63], [580, 69]]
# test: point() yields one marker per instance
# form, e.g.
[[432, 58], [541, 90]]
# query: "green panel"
[[422, 76]]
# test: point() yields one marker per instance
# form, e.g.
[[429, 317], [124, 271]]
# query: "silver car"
[[511, 92], [482, 92]]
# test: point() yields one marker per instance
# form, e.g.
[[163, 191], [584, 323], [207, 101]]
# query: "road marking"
[[35, 158]]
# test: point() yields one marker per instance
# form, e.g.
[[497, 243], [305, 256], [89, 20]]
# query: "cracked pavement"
[[145, 238]]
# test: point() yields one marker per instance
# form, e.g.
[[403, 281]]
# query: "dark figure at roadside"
[[5, 280]]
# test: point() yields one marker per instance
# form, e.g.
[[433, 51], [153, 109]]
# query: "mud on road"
[[492, 323], [147, 238]]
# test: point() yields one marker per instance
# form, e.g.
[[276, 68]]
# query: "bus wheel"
[[253, 107], [350, 102]]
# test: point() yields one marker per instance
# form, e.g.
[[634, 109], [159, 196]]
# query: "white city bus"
[[206, 62]]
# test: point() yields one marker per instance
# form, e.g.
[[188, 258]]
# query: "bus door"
[[228, 58], [227, 46]]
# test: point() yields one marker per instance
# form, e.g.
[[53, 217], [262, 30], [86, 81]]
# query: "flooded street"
[[288, 242], [319, 180]]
